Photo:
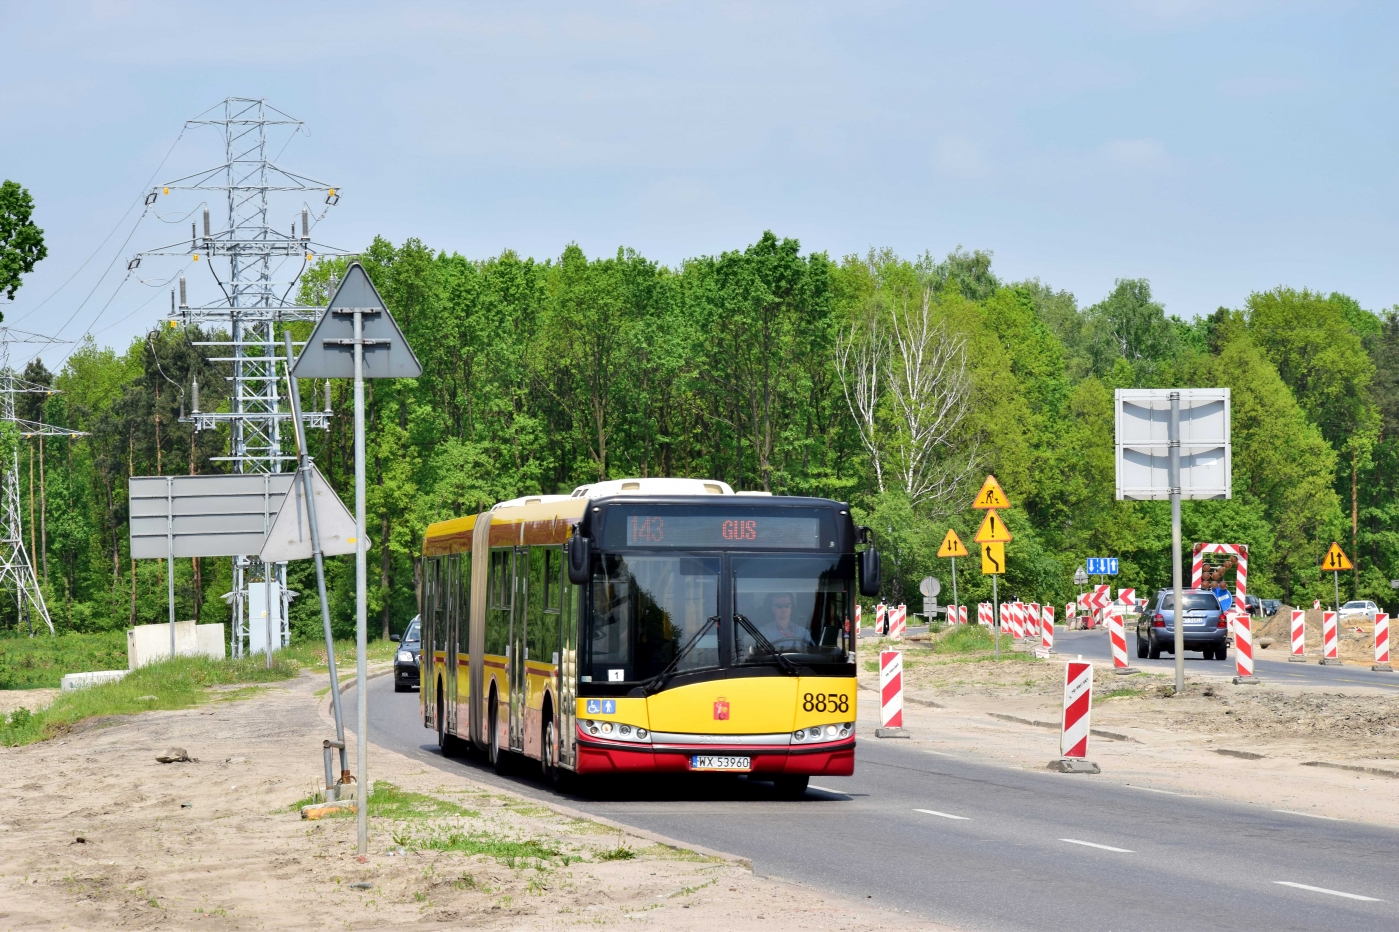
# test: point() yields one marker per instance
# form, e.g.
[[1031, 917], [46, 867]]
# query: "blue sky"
[[1213, 148]]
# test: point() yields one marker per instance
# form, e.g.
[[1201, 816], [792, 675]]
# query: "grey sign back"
[[329, 354], [210, 516]]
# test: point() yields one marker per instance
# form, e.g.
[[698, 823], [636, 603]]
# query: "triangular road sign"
[[993, 530], [1335, 560], [952, 545], [329, 354], [290, 537], [993, 559], [991, 495]]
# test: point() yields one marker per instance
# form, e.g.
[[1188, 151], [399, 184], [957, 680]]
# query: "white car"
[[1359, 607]]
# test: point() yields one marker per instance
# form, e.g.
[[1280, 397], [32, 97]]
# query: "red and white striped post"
[[1330, 639], [891, 695], [1243, 647], [898, 621], [1299, 637], [961, 614], [881, 619], [1047, 629], [1018, 612], [1117, 637], [1382, 644], [1078, 710]]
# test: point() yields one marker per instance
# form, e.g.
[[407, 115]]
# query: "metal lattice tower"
[[252, 298], [16, 567]]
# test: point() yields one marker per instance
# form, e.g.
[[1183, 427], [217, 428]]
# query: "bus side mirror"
[[869, 572], [580, 559]]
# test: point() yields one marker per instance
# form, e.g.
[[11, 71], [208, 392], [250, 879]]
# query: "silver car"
[[1359, 607]]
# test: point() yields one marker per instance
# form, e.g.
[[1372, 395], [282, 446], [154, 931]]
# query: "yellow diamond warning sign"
[[991, 495], [993, 559], [952, 545], [1335, 560], [993, 530]]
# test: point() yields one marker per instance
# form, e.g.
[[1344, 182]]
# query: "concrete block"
[[149, 643], [1074, 765], [72, 681], [891, 733]]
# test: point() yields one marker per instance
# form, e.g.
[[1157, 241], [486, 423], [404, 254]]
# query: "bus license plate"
[[706, 762]]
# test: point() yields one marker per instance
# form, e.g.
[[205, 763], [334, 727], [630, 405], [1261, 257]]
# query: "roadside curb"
[[1372, 771]]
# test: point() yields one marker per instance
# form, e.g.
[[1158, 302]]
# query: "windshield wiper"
[[765, 644], [656, 683]]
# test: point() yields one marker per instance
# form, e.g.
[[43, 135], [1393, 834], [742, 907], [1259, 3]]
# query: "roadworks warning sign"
[[991, 495], [952, 545], [1335, 560]]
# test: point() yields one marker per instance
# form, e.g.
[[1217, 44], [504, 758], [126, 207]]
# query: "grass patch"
[[311, 655], [170, 684], [619, 853], [387, 801], [41, 661], [965, 639], [507, 851], [1117, 694]]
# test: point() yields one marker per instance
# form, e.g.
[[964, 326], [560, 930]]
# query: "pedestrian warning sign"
[[991, 495], [993, 559], [993, 530], [952, 545], [1335, 560]]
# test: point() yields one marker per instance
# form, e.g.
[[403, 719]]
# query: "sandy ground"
[[1156, 740], [95, 834], [31, 699], [1355, 635]]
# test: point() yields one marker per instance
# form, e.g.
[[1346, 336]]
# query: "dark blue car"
[[1205, 627]]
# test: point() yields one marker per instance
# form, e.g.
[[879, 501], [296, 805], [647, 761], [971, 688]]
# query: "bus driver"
[[784, 634]]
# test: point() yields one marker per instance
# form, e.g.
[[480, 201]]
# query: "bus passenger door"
[[518, 644], [449, 614], [427, 668]]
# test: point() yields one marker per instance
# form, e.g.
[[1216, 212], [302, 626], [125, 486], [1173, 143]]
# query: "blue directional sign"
[[1102, 566]]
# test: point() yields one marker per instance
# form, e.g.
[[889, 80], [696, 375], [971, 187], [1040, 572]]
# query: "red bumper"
[[836, 759]]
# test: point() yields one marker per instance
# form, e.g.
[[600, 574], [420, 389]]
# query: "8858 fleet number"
[[825, 702]]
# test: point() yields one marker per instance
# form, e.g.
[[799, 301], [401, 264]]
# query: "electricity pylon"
[[251, 301], [16, 567]]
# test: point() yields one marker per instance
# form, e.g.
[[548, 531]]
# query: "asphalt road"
[[1270, 666], [985, 847]]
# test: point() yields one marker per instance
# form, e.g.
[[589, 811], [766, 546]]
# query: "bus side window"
[[438, 607], [498, 616], [543, 616], [464, 605]]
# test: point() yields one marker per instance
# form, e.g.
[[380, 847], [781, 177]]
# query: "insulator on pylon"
[[305, 224], [327, 396], [194, 394], [193, 236], [206, 223], [184, 300]]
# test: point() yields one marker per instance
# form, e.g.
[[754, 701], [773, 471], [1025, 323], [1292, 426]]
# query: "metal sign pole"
[[1177, 593], [170, 556], [955, 603], [361, 607], [996, 615], [1336, 579], [319, 556]]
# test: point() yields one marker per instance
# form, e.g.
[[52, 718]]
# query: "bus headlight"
[[832, 731]]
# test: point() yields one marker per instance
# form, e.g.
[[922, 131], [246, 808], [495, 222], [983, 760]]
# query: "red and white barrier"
[[1047, 629], [898, 621], [1330, 639], [891, 689], [1117, 636], [1197, 566], [1033, 625], [1299, 636], [881, 619], [1017, 620], [1078, 710], [1243, 647], [1128, 598], [983, 613], [961, 614], [1382, 643]]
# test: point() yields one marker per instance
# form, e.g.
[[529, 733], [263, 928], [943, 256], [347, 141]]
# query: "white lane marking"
[[1152, 789], [1349, 896], [945, 815], [1090, 844], [1309, 815]]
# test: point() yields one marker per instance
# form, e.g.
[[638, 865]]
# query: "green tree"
[[21, 241]]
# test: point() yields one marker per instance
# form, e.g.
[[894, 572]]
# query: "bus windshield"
[[652, 615], [796, 606]]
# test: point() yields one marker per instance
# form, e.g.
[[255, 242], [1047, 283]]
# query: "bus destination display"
[[723, 532]]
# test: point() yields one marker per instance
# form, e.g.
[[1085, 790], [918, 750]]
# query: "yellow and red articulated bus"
[[647, 626]]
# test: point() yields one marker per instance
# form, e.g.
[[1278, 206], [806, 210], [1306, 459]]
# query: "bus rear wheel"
[[494, 754]]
